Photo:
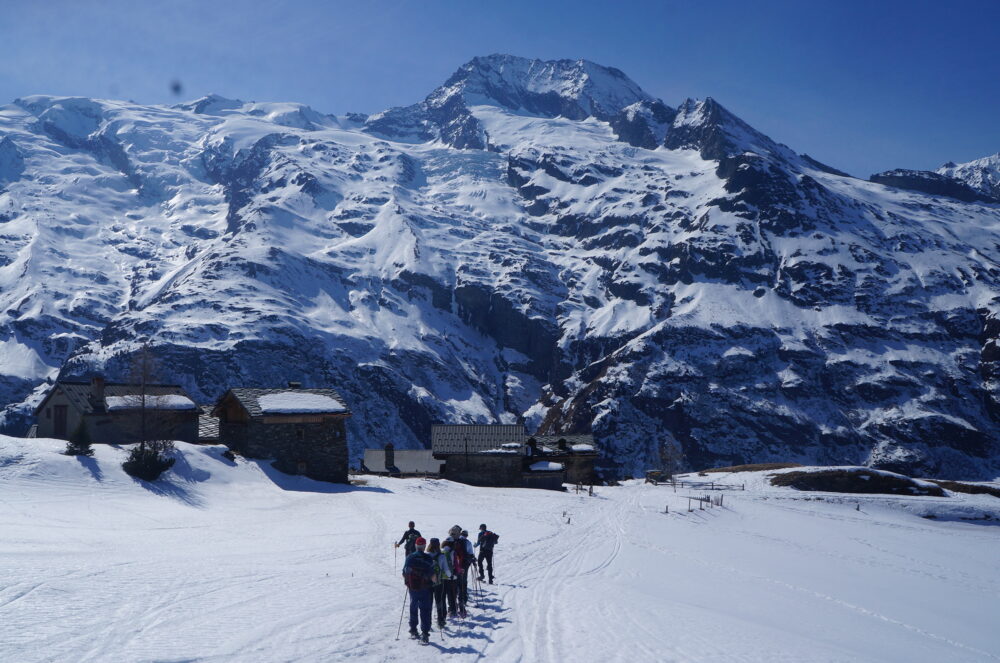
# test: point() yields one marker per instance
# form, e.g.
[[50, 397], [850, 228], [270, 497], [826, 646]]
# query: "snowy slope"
[[225, 561], [536, 241]]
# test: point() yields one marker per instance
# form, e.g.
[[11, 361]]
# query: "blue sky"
[[863, 86]]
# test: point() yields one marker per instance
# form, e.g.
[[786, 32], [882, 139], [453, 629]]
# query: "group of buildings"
[[304, 431]]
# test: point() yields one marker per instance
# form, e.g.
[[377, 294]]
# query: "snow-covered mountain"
[[983, 175], [535, 240]]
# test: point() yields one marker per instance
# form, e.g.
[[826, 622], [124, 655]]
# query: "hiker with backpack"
[[485, 542], [418, 574], [443, 575], [463, 556], [409, 539], [450, 582]]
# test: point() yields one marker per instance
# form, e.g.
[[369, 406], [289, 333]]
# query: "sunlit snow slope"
[[223, 561], [536, 241]]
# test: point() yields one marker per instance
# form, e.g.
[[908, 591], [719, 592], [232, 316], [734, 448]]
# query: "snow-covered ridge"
[[656, 276], [982, 175]]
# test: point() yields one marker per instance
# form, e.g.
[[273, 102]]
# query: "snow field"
[[224, 561]]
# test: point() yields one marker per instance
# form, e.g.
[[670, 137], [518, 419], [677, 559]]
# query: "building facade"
[[117, 413], [504, 455]]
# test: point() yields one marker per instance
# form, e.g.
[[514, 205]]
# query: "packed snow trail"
[[226, 561]]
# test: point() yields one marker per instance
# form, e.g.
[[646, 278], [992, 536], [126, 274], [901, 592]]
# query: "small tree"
[[148, 459], [79, 442]]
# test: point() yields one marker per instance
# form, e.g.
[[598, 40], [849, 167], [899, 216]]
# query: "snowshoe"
[[414, 634], [425, 638]]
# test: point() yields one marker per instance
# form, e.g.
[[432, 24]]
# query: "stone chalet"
[[504, 455], [115, 413], [303, 430]]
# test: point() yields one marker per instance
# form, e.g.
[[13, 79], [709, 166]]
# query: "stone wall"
[[484, 469], [316, 450]]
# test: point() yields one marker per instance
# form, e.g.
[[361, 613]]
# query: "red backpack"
[[461, 556]]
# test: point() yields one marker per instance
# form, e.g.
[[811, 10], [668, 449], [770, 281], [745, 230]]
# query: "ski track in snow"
[[227, 562]]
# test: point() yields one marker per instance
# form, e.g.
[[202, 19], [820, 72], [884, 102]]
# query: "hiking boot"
[[413, 632], [425, 638], [481, 578]]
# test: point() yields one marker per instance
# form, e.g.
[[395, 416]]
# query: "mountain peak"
[[575, 89], [983, 175], [706, 125], [210, 104]]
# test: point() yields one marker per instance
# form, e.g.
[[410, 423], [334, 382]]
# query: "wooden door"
[[59, 425]]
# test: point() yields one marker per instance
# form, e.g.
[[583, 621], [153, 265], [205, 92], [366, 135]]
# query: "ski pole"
[[401, 611]]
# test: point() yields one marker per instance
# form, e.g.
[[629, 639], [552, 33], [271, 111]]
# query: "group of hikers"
[[436, 574]]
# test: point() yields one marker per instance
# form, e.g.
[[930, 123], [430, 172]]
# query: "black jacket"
[[409, 538]]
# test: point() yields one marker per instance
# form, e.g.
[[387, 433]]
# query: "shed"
[[402, 463]]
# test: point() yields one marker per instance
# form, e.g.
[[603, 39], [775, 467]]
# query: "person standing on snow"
[[485, 542], [409, 539], [463, 557], [442, 571], [418, 574], [451, 581]]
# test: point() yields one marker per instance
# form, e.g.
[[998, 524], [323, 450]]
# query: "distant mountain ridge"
[[535, 241]]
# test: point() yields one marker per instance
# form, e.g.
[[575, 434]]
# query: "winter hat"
[[483, 526], [420, 542]]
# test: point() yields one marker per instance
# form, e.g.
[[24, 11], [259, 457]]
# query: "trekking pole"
[[401, 611]]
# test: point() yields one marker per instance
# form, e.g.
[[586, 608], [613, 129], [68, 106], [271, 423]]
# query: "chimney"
[[97, 389], [390, 456], [294, 385]]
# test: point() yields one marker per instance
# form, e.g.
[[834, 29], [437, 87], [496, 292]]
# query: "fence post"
[[689, 505], [591, 490]]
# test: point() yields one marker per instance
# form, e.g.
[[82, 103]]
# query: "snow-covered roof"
[[299, 402], [577, 443], [150, 402], [82, 395], [546, 466], [475, 438], [277, 402]]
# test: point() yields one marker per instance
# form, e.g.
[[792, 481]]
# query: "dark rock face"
[[931, 183]]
